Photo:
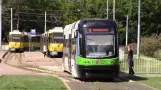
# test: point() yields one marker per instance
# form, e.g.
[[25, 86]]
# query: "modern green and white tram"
[[91, 49]]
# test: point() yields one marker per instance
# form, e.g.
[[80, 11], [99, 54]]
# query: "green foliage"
[[67, 11], [157, 53]]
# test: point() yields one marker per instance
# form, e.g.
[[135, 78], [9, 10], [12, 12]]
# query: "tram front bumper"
[[12, 49], [54, 53], [98, 71]]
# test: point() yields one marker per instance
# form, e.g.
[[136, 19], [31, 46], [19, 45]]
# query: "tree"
[[32, 14]]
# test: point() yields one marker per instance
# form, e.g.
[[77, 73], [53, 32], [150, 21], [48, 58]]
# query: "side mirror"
[[75, 34]]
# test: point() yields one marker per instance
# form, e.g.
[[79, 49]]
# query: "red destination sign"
[[98, 30]]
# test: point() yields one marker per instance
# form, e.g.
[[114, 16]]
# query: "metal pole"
[[45, 22], [29, 43], [18, 20], [138, 39], [126, 29], [0, 24], [107, 9], [113, 9], [11, 21], [29, 37]]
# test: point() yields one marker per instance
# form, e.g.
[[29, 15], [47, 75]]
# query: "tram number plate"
[[54, 53], [12, 49]]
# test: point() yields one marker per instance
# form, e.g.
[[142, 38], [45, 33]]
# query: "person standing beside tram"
[[130, 60], [44, 50]]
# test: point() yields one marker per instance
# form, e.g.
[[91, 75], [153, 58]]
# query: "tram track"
[[19, 58], [117, 84], [95, 88], [98, 84], [13, 59], [7, 57], [95, 84]]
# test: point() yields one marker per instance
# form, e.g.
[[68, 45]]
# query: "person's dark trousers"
[[131, 71], [44, 54]]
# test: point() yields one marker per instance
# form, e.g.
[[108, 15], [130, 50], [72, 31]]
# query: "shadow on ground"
[[98, 80], [131, 77], [58, 56], [123, 77]]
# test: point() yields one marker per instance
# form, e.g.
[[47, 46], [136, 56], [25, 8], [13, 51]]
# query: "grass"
[[154, 82], [26, 82]]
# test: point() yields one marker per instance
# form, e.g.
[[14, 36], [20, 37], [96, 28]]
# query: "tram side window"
[[50, 38], [38, 39], [80, 45], [67, 42], [73, 46], [64, 41], [33, 39], [70, 42], [26, 39]]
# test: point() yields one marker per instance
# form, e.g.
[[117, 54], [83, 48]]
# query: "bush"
[[150, 45], [157, 53]]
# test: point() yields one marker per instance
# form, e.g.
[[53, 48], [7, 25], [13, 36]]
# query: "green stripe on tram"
[[106, 61]]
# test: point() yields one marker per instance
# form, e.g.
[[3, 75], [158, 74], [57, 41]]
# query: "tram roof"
[[88, 22], [56, 29], [15, 32], [73, 26]]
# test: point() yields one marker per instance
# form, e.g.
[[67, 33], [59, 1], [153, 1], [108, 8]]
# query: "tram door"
[[66, 52], [70, 51]]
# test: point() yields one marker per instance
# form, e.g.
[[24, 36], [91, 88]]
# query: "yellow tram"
[[16, 40], [54, 41]]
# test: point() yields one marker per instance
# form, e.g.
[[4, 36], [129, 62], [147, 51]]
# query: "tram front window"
[[57, 40], [58, 37], [100, 46], [16, 38]]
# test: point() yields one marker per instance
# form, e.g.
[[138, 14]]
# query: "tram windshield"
[[100, 46], [58, 37], [16, 38]]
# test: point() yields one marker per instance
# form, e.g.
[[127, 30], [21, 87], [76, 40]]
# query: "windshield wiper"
[[90, 39]]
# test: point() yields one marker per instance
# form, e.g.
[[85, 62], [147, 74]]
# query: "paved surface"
[[7, 69], [54, 64], [38, 59]]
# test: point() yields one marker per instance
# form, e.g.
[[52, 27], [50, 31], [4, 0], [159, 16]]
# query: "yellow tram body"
[[55, 43], [53, 39], [16, 40]]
